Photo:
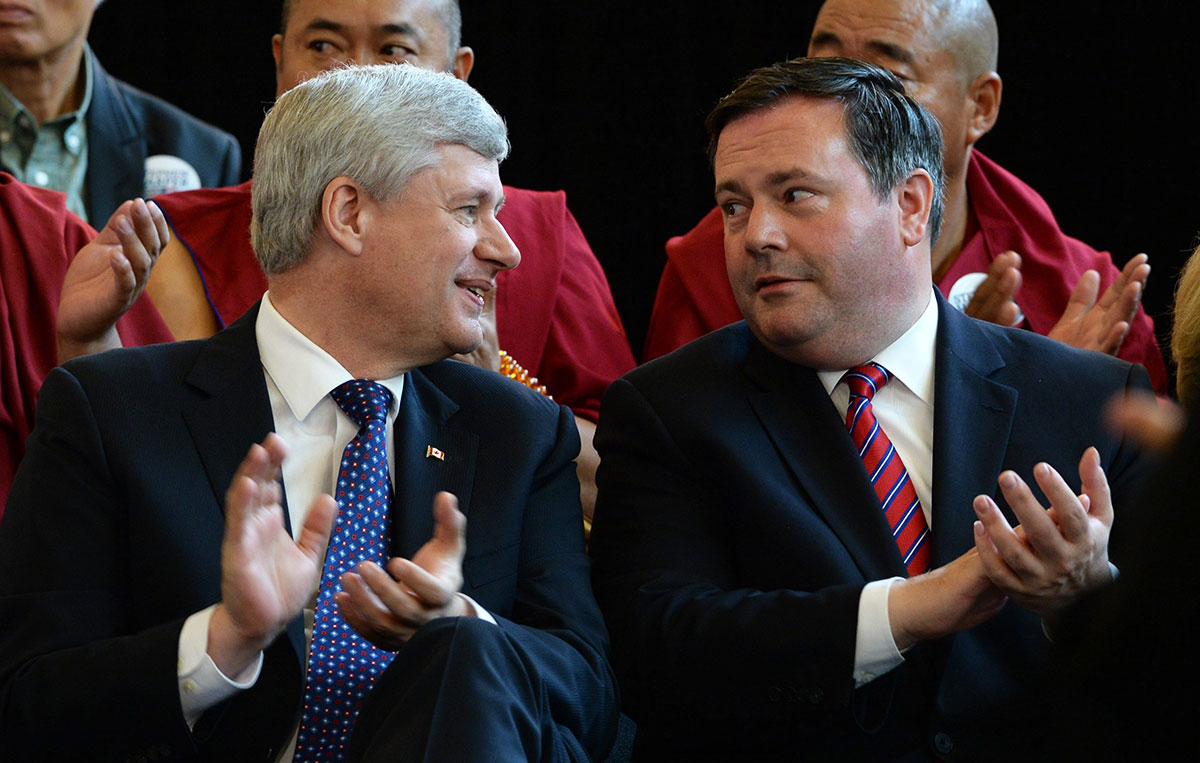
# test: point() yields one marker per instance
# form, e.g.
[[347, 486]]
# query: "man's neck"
[[954, 228], [48, 87], [327, 322]]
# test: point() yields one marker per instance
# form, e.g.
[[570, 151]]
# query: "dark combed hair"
[[890, 134]]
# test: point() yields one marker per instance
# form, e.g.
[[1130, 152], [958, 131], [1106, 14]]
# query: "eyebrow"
[[732, 186], [892, 51], [785, 176], [886, 49], [328, 25], [400, 29], [824, 38], [324, 24], [782, 177], [479, 194]]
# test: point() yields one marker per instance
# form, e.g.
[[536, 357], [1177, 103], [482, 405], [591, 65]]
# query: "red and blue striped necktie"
[[895, 490]]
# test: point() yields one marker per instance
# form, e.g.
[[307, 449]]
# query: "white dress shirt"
[[299, 377], [904, 409]]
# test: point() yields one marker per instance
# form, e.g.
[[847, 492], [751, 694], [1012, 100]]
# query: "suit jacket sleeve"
[[231, 163], [114, 539], [553, 618], [75, 678], [665, 547]]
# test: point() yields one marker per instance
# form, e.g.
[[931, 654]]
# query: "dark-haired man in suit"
[[798, 547], [1001, 255]]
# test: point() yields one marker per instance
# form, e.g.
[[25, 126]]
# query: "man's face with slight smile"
[[433, 254], [815, 259]]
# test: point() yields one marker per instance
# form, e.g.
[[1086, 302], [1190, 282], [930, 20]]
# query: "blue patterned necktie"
[[343, 665]]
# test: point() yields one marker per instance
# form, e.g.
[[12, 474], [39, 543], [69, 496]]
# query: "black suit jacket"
[[126, 125], [736, 527], [1129, 642], [113, 530]]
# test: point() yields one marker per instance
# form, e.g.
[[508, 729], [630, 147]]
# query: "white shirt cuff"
[[479, 611], [201, 683], [875, 650]]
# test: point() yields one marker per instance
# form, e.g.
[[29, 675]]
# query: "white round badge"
[[166, 174], [964, 289]]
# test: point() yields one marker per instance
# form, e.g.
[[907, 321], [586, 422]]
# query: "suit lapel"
[[794, 408], [116, 149], [233, 409], [231, 412], [972, 415], [421, 424]]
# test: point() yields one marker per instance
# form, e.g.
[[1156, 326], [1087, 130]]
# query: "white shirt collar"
[[303, 372], [910, 359]]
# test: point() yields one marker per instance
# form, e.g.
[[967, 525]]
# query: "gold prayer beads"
[[513, 370]]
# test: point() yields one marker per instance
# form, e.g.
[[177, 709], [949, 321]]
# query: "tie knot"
[[363, 400], [866, 380]]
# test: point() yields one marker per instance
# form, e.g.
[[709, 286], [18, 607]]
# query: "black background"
[[606, 101]]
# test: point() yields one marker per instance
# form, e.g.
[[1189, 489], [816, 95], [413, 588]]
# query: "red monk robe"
[[694, 297], [554, 312], [38, 239]]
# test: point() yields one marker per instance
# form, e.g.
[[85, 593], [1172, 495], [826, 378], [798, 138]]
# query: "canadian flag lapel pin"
[[432, 452]]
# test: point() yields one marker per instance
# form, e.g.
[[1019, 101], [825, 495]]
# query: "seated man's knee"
[[457, 639]]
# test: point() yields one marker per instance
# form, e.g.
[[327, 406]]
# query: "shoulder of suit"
[[471, 387], [719, 354], [145, 365], [1029, 353]]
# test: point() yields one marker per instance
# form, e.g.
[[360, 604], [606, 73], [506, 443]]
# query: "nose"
[[496, 246], [763, 232], [366, 55], [358, 55]]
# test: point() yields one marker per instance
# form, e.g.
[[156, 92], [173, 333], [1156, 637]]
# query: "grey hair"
[[378, 125]]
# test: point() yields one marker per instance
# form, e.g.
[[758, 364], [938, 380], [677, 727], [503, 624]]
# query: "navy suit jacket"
[[126, 125], [736, 526], [113, 531]]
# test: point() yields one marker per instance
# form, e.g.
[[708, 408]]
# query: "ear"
[[344, 214], [984, 97], [914, 200], [464, 62], [281, 87]]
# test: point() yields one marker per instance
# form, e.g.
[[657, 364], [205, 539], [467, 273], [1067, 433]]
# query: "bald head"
[[967, 29], [943, 50], [963, 29]]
